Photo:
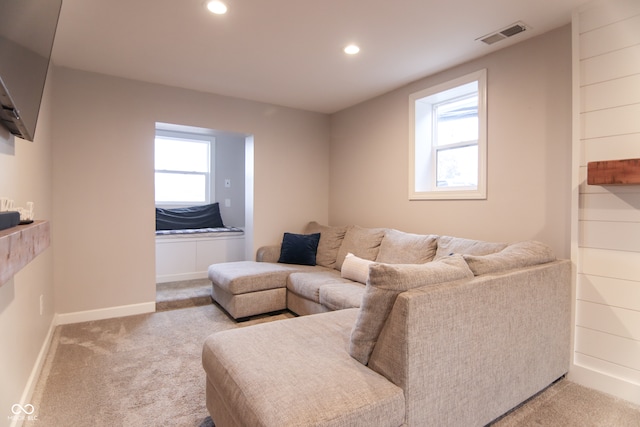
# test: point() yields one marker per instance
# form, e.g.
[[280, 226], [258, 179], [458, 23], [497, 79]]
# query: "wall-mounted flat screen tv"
[[27, 30]]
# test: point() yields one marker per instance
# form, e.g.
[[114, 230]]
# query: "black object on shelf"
[[9, 219]]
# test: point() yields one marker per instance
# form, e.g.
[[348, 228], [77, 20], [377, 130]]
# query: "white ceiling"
[[289, 52]]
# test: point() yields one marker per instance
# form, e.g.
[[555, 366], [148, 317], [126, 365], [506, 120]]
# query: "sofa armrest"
[[270, 253], [491, 342]]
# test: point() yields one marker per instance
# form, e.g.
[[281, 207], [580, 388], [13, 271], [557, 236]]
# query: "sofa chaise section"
[[293, 373]]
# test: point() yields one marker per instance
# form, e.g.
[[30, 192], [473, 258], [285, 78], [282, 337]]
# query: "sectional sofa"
[[395, 329]]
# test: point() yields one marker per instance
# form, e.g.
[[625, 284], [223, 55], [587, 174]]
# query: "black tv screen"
[[27, 31]]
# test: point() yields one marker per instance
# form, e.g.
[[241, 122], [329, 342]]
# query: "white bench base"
[[189, 257]]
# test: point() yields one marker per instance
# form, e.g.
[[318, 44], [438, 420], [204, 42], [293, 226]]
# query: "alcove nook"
[[183, 256]]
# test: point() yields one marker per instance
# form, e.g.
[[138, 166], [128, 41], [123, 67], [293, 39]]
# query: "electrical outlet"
[[227, 203], [41, 304]]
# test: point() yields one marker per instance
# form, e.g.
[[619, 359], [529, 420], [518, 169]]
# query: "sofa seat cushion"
[[342, 295], [307, 284], [297, 372], [242, 277]]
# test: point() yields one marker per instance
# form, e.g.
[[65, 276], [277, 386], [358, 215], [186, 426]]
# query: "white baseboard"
[[105, 313], [32, 381], [605, 383]]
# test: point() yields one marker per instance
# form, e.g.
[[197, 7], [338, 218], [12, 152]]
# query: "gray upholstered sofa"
[[444, 332]]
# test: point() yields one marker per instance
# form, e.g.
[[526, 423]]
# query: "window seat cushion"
[[201, 232]]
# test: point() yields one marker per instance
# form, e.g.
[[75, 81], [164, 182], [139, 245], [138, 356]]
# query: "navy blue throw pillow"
[[299, 248]]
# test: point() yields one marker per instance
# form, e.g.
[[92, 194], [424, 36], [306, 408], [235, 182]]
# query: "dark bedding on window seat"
[[193, 217]]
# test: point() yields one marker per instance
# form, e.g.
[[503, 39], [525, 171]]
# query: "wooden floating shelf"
[[20, 245], [614, 172]]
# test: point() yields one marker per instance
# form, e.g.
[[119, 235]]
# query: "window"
[[448, 140], [182, 169]]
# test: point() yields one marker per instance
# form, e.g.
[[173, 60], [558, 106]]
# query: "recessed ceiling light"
[[352, 49], [217, 7]]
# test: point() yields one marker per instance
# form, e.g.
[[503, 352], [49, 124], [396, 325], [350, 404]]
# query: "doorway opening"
[[209, 169]]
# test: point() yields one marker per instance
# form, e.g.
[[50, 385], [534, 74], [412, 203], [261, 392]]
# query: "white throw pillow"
[[354, 268]]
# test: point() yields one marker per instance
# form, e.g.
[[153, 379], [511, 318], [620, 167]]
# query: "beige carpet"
[[132, 371], [566, 404], [182, 294], [146, 371]]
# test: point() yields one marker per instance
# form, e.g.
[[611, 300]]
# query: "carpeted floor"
[[187, 293], [566, 404], [146, 370]]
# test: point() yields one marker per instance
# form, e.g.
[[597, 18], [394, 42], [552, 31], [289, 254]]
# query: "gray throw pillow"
[[385, 282], [517, 255]]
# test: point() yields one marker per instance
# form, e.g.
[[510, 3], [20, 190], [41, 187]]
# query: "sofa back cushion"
[[362, 242], [386, 281], [516, 255], [330, 240], [398, 247], [457, 245]]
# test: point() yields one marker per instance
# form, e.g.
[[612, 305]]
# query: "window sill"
[[449, 195]]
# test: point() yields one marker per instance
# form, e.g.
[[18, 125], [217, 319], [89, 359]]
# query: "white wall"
[[103, 179], [607, 218], [230, 151], [25, 175], [529, 153]]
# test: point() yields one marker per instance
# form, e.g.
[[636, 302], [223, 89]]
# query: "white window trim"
[[422, 153], [209, 180]]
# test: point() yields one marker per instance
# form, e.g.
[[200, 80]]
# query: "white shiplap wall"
[[607, 308]]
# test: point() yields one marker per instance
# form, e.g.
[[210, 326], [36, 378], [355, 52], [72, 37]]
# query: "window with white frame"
[[182, 168], [448, 144]]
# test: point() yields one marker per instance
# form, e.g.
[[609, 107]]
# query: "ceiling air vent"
[[496, 36]]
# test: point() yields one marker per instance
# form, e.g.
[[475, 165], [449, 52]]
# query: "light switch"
[[227, 183]]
